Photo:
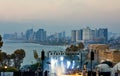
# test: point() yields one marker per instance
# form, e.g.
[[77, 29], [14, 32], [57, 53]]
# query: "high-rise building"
[[15, 35], [73, 33], [87, 34], [103, 33], [44, 36], [106, 34], [41, 35], [96, 34], [93, 35], [63, 35], [29, 34], [79, 34]]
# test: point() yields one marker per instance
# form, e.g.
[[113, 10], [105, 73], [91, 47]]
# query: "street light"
[[48, 67], [81, 61], [5, 67], [92, 58], [42, 58]]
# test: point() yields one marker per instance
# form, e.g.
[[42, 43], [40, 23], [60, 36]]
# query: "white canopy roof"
[[116, 67], [103, 68]]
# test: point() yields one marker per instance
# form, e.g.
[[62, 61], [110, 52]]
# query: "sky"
[[58, 15]]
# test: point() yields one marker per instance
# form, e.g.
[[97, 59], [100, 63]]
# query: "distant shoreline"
[[35, 42]]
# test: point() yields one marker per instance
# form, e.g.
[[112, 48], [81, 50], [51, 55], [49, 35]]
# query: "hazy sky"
[[58, 15]]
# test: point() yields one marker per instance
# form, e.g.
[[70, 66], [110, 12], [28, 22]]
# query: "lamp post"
[[81, 61], [48, 67], [42, 58], [92, 58]]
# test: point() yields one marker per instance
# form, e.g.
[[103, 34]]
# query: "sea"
[[10, 47]]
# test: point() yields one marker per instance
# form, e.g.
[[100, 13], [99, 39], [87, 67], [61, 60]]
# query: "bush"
[[9, 69], [35, 66]]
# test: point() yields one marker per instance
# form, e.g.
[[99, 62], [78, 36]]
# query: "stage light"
[[68, 64], [61, 58], [73, 64]]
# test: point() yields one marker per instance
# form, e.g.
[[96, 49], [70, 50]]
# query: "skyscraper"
[[103, 33], [106, 34], [73, 33], [29, 34], [63, 35], [79, 35], [41, 35], [87, 34]]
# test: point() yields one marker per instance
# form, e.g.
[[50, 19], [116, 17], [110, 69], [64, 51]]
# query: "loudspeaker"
[[46, 73], [42, 55]]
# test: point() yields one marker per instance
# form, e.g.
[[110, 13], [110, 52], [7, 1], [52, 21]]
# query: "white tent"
[[116, 67], [103, 68]]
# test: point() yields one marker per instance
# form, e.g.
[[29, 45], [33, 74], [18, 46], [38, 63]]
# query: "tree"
[[18, 57], [35, 54], [1, 42], [68, 49], [3, 58], [8, 60], [8, 69], [73, 48], [80, 46]]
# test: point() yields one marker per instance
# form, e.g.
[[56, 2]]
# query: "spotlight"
[[68, 64], [61, 58]]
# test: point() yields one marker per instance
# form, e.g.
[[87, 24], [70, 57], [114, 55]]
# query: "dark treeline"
[[12, 61]]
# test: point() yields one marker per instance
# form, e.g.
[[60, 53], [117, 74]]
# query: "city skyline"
[[85, 35], [50, 31], [58, 15]]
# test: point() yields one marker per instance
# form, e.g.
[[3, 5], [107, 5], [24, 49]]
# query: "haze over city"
[[58, 15]]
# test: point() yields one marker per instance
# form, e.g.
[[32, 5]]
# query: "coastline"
[[36, 42]]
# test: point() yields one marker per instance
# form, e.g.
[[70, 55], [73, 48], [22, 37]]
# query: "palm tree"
[[35, 54]]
